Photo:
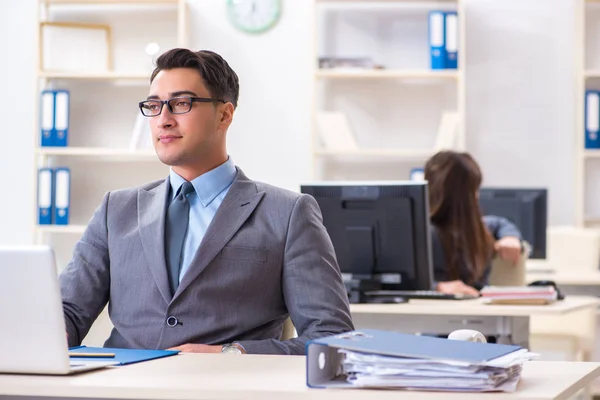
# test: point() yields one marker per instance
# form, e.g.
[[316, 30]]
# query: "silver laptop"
[[32, 327]]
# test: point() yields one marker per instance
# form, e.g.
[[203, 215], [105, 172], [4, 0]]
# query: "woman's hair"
[[454, 179]]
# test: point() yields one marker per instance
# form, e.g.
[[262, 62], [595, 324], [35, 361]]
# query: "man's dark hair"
[[221, 81]]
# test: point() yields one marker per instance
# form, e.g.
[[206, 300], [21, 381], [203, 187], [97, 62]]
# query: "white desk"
[[232, 377], [509, 323]]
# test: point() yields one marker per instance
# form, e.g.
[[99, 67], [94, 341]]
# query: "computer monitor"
[[527, 208], [380, 231]]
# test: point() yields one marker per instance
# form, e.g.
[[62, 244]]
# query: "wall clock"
[[254, 16]]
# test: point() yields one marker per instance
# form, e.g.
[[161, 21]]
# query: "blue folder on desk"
[[122, 356], [323, 359]]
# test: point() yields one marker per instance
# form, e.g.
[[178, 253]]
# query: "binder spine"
[[436, 40], [62, 195], [47, 118], [44, 196], [61, 118], [592, 119], [451, 40]]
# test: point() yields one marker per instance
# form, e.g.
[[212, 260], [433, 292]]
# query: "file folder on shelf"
[[44, 200], [62, 194], [451, 39], [327, 359], [122, 356], [54, 117], [61, 117], [592, 119], [47, 118], [437, 45]]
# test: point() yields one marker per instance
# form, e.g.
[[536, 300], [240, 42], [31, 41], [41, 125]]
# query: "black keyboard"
[[413, 294]]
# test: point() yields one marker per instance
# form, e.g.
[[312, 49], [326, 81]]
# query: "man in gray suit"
[[206, 260]]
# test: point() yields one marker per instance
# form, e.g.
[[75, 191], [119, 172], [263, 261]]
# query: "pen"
[[94, 355]]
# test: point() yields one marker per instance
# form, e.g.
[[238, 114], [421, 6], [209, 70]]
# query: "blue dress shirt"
[[210, 190]]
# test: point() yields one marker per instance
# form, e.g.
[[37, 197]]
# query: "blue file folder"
[[451, 39], [122, 356], [44, 196], [323, 359], [47, 118], [61, 117], [54, 117], [592, 119], [437, 45], [62, 195]]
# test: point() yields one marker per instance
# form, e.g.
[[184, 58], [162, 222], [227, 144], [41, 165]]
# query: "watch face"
[[254, 16], [230, 349]]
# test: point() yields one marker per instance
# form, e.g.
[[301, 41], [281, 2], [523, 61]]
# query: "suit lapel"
[[237, 206], [151, 221]]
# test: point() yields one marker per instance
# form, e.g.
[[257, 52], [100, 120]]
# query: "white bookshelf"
[[95, 152], [588, 77], [394, 109], [103, 104]]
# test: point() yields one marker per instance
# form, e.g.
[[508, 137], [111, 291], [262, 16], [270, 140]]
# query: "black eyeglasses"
[[176, 105]]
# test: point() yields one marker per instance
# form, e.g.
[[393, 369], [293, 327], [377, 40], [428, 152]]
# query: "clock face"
[[254, 16]]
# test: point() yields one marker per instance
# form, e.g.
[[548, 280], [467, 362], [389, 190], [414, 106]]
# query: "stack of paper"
[[372, 358], [519, 294], [368, 370]]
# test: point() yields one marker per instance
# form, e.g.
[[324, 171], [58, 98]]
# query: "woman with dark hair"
[[464, 241]]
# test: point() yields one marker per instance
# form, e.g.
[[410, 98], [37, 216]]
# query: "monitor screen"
[[379, 231], [527, 208]]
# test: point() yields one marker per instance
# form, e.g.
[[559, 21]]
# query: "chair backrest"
[[504, 273]]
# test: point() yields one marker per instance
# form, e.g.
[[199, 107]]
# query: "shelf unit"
[[588, 77], [103, 104], [392, 129]]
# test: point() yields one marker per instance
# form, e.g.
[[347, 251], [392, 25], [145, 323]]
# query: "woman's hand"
[[509, 248], [456, 287]]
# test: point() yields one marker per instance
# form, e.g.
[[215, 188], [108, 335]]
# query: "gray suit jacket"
[[265, 255]]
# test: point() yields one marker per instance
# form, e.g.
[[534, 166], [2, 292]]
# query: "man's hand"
[[456, 287], [509, 249], [197, 348]]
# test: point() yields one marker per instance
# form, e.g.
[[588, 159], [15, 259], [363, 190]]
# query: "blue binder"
[[62, 195], [451, 39], [323, 360], [61, 117], [54, 117], [592, 119], [47, 118], [44, 196], [437, 44], [122, 356]]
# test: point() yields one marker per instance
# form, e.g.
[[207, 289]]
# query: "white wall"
[[520, 98], [17, 54], [270, 138]]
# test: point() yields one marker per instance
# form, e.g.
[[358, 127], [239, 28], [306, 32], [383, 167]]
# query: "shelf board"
[[332, 73], [108, 75], [95, 152], [402, 153], [111, 2], [591, 153], [73, 229], [592, 73]]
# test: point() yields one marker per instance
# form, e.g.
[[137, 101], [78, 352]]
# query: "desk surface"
[[216, 376], [477, 307]]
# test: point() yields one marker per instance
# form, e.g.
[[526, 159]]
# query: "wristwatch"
[[230, 348]]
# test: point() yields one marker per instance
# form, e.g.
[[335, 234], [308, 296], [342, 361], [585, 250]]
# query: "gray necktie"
[[178, 215]]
